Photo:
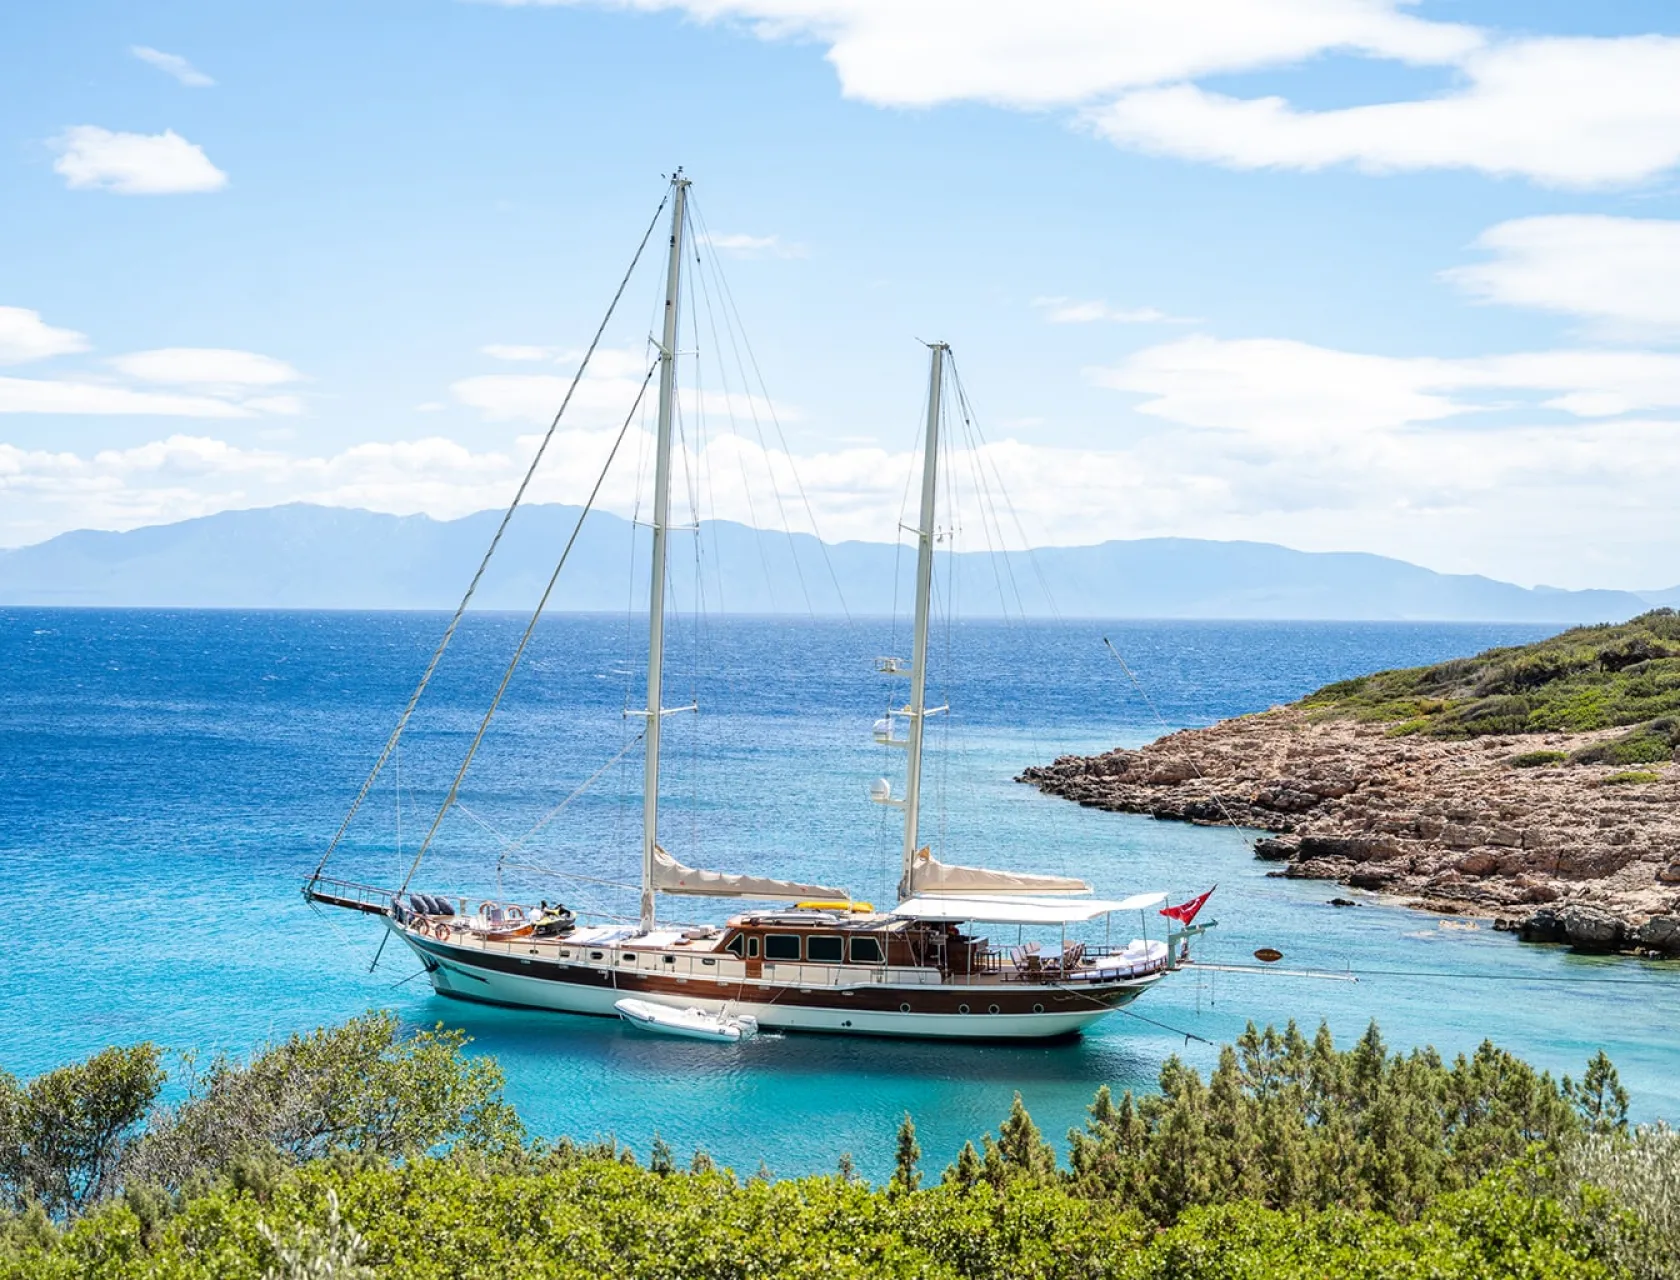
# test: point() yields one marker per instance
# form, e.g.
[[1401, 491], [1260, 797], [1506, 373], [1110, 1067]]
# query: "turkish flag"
[[1186, 912]]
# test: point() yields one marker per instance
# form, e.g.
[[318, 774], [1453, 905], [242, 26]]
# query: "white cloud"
[[738, 245], [218, 383], [1621, 274], [173, 64], [1293, 393], [924, 52], [1507, 501], [1073, 311], [506, 351], [134, 164], [1562, 111], [1565, 111], [39, 395], [206, 366], [24, 336]]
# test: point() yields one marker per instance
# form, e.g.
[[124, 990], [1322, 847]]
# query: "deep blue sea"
[[167, 780]]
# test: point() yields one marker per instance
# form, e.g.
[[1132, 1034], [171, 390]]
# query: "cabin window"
[[866, 951], [629, 957], [737, 945], [781, 946], [825, 948], [752, 948]]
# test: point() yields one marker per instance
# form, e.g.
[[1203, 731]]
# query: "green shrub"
[[1534, 759], [1632, 777]]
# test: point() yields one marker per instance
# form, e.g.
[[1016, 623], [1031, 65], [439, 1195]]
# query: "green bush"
[[1632, 777], [1294, 1158], [1534, 759]]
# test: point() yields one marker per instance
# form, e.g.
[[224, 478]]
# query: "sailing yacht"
[[812, 958]]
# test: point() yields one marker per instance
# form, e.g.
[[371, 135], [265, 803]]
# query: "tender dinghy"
[[696, 1024]]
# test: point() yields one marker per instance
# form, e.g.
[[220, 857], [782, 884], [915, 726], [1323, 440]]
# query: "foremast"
[[661, 519], [916, 712]]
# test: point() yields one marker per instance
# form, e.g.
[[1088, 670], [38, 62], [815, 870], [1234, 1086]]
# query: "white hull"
[[454, 973]]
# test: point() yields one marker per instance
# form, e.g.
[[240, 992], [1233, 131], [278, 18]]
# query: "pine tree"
[[660, 1160], [966, 1171], [702, 1163], [906, 1177], [1600, 1098], [1023, 1147], [847, 1170]]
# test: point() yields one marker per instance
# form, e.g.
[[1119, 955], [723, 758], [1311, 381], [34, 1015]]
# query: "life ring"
[[442, 932]]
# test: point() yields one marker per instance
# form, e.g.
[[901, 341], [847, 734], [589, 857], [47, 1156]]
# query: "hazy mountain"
[[324, 557]]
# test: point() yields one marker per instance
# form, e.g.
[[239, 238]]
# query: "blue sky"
[[1341, 274]]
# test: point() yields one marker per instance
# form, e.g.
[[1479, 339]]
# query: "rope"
[[519, 495], [516, 845], [1150, 703], [530, 628]]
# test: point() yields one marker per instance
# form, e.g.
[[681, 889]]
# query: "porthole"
[[708, 959], [962, 1008], [904, 1008], [992, 1009], [1038, 1008], [595, 955]]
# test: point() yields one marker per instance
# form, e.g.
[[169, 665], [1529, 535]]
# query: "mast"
[[917, 710], [661, 518]]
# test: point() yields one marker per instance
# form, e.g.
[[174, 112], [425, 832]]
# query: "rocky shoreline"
[[1572, 853]]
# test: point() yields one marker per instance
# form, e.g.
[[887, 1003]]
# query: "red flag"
[[1186, 912]]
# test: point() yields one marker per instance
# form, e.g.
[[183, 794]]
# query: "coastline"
[[1550, 853]]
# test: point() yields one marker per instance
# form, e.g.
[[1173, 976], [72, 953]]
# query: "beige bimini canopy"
[[929, 875], [670, 876]]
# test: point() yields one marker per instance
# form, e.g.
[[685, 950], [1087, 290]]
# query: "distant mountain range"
[[309, 557]]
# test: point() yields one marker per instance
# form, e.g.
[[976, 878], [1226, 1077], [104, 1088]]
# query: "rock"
[[1544, 925], [1591, 928], [1343, 902], [1659, 933], [1445, 821]]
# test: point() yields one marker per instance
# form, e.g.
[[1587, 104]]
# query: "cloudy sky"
[[1340, 274]]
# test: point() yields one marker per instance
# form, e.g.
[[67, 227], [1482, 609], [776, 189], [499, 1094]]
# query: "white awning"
[[671, 876], [929, 875], [1012, 910], [1140, 902]]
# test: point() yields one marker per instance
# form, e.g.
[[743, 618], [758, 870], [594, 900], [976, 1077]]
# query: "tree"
[[906, 1176], [660, 1160], [1600, 1098], [63, 1135], [1023, 1148], [966, 1171], [365, 1087]]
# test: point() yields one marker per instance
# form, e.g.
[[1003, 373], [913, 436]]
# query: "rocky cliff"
[[1560, 834]]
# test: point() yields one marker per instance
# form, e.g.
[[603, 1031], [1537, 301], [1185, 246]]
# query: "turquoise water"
[[168, 778]]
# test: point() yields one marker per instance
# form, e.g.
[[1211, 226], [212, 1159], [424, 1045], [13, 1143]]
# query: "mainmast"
[[917, 709], [661, 518]]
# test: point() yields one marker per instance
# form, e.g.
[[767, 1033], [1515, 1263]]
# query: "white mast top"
[[917, 710], [661, 518]]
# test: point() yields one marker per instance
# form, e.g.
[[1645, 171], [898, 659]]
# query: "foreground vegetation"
[[361, 1151], [1601, 677]]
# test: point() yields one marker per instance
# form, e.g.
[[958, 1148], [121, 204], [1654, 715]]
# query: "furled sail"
[[671, 876], [929, 875]]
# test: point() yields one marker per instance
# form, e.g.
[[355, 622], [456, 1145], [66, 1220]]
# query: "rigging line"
[[570, 875], [1014, 515], [516, 845], [518, 653], [1177, 1031], [519, 494], [1150, 703], [775, 421], [1500, 977]]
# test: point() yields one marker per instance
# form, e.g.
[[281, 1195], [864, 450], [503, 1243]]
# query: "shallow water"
[[167, 779]]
